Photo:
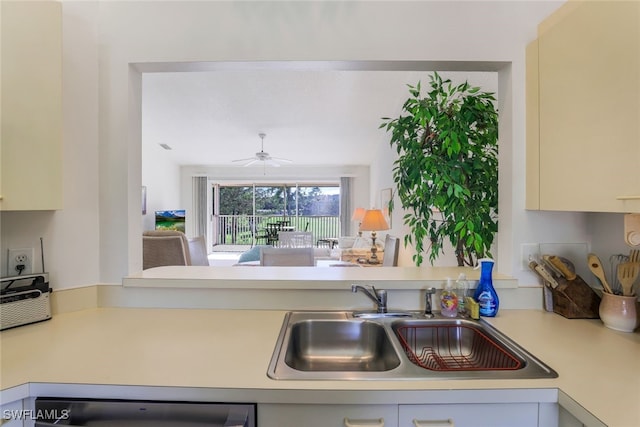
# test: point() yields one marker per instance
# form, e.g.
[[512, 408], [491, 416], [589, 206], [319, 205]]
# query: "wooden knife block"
[[575, 299]]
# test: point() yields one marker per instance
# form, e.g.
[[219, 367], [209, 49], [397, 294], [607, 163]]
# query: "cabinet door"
[[471, 415], [31, 94], [289, 415], [565, 419], [12, 414], [589, 108]]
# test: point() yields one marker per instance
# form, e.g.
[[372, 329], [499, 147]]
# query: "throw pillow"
[[252, 254]]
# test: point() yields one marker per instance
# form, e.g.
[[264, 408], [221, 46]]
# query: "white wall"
[[94, 240], [162, 179]]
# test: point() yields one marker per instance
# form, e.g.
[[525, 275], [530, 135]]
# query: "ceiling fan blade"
[[272, 162], [263, 156], [278, 159]]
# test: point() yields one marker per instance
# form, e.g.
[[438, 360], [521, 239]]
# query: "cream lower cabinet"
[[583, 109], [12, 414], [428, 415], [289, 415]]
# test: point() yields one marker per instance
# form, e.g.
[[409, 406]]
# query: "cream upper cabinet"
[[583, 127], [31, 109]]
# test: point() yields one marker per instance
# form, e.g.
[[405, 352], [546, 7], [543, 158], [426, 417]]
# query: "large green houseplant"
[[446, 172]]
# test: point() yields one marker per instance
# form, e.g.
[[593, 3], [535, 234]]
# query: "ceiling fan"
[[263, 156]]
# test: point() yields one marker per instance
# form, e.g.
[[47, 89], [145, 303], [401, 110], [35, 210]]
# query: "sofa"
[[353, 248], [252, 255]]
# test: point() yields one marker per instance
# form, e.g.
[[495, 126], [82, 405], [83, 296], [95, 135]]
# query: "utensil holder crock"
[[619, 312]]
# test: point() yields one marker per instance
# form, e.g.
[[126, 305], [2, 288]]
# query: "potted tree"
[[446, 172]]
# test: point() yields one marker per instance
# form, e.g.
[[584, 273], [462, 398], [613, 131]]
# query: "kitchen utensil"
[[544, 274], [614, 261], [634, 255], [547, 294], [596, 268], [546, 262], [627, 275], [568, 263], [563, 267]]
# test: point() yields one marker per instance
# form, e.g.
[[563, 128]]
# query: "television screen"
[[170, 220]]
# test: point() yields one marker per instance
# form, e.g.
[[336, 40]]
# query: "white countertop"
[[231, 349], [239, 277]]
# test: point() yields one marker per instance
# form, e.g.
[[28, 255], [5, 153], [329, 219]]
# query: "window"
[[243, 209]]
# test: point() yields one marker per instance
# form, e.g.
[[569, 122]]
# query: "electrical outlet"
[[18, 258], [530, 252]]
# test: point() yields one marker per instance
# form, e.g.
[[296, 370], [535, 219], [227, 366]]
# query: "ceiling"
[[312, 117]]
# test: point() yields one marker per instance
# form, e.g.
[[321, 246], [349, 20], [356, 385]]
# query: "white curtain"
[[345, 206], [199, 188]]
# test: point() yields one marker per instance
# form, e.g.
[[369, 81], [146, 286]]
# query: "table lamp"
[[373, 221], [358, 214]]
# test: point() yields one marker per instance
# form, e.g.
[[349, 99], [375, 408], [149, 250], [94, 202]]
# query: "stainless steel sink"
[[376, 315], [339, 345], [336, 345]]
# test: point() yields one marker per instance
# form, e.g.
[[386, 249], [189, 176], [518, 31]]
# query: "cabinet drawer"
[[281, 415], [472, 415]]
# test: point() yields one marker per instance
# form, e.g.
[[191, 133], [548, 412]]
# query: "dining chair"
[[272, 233], [391, 249], [260, 235], [287, 257], [198, 251]]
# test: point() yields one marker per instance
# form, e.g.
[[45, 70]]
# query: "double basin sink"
[[360, 346]]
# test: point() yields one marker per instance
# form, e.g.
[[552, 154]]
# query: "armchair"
[[161, 248]]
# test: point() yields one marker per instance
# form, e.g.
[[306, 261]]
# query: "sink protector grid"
[[454, 348]]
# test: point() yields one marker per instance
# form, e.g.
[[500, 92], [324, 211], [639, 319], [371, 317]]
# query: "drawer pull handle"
[[364, 423], [628, 198], [433, 423]]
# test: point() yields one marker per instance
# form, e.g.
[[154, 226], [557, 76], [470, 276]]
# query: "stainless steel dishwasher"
[[106, 413]]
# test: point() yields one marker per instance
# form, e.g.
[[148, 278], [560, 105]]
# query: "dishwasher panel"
[[139, 413]]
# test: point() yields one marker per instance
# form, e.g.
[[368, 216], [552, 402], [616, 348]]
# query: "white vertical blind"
[[199, 205], [345, 206]]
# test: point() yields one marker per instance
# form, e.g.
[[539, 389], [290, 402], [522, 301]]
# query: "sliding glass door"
[[241, 211]]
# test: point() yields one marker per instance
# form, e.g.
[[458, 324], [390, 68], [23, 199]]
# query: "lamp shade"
[[358, 214], [374, 221]]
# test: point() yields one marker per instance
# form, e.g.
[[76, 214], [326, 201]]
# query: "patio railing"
[[240, 229]]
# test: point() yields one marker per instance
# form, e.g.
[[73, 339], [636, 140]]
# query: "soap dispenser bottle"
[[462, 290], [485, 293], [449, 300]]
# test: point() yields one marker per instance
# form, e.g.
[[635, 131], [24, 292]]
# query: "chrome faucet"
[[428, 309], [378, 297]]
